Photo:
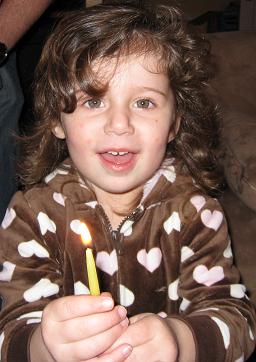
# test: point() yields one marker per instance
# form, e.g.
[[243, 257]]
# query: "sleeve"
[[213, 302], [30, 275]]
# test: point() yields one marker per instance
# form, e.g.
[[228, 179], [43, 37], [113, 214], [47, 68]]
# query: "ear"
[[174, 128], [58, 131]]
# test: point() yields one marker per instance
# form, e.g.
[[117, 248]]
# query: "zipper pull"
[[118, 241]]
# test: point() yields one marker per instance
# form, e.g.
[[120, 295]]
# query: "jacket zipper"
[[117, 241]]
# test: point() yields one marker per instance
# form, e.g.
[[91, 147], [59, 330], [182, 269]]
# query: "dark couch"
[[235, 89]]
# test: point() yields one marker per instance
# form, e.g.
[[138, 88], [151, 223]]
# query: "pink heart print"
[[150, 260], [107, 262], [8, 218], [198, 202], [207, 277], [213, 219]]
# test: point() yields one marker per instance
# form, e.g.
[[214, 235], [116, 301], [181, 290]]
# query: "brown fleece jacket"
[[171, 256]]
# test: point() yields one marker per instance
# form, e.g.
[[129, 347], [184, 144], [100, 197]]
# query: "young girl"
[[125, 142]]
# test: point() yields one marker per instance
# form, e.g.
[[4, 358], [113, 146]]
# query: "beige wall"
[[194, 8], [93, 2]]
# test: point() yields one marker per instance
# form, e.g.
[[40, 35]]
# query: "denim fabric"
[[11, 101]]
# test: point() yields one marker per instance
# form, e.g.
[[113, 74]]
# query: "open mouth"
[[118, 160], [117, 157]]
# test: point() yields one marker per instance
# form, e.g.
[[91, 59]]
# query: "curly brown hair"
[[85, 35]]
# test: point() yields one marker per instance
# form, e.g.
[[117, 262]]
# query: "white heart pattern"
[[173, 290], [213, 219], [107, 262], [92, 204], [240, 359], [45, 223], [149, 185], [80, 289], [75, 226], [172, 223], [170, 174], [150, 260], [59, 198], [198, 202], [251, 334], [57, 171], [208, 277], [34, 320], [29, 248], [206, 309], [162, 314], [228, 251], [126, 296], [9, 216], [1, 342], [36, 314], [237, 291], [7, 272], [44, 288], [186, 253], [126, 228], [224, 329], [184, 304]]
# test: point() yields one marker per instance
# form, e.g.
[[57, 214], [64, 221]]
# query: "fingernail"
[[127, 350], [107, 302], [124, 322], [121, 311]]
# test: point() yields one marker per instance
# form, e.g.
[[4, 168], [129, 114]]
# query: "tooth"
[[114, 153]]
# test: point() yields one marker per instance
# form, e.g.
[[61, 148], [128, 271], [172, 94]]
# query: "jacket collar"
[[161, 186]]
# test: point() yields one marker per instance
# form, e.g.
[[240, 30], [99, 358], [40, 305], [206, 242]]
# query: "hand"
[[80, 328], [151, 338]]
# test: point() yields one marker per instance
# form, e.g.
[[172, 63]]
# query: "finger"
[[106, 294], [94, 346], [152, 352], [140, 353], [137, 334], [119, 354], [77, 306], [89, 326], [142, 336], [138, 317], [133, 336]]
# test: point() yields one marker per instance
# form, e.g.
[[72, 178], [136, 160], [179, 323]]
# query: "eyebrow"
[[79, 93], [155, 90]]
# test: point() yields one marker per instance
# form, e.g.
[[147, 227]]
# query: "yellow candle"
[[90, 263], [92, 273]]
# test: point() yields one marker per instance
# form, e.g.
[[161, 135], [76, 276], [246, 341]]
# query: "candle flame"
[[85, 235]]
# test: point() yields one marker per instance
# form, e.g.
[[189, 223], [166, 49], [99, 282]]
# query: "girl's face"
[[118, 141]]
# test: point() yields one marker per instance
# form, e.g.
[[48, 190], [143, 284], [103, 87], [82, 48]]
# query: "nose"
[[119, 122]]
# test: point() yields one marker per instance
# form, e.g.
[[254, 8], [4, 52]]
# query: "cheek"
[[79, 138], [160, 137], [157, 145]]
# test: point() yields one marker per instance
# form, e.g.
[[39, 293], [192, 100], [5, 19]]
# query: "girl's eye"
[[144, 103], [94, 103]]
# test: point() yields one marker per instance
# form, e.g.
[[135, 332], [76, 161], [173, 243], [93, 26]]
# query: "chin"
[[118, 189]]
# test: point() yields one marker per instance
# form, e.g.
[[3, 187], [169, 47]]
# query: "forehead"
[[132, 67]]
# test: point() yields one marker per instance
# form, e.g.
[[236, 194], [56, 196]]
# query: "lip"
[[119, 163]]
